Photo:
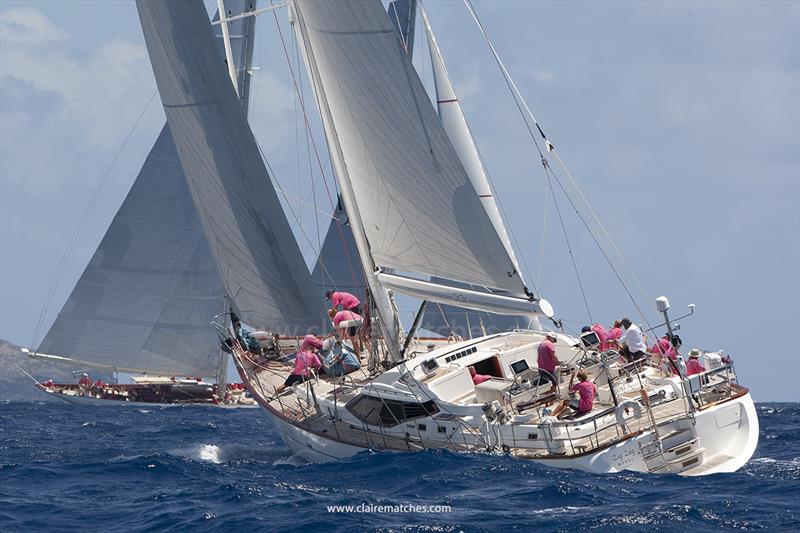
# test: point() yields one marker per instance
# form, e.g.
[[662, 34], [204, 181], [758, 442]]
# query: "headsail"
[[443, 318], [260, 263], [420, 211], [338, 266], [144, 300]]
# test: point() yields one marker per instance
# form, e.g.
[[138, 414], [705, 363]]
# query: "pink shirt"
[[664, 347], [693, 366], [304, 362], [601, 332], [310, 341], [345, 315], [547, 356], [611, 335], [477, 379], [586, 390], [345, 299]]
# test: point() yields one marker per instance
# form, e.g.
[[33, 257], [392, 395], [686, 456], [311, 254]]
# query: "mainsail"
[[261, 266], [144, 300], [402, 180], [338, 266]]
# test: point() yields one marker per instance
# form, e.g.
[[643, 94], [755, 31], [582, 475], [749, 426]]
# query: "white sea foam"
[[211, 453]]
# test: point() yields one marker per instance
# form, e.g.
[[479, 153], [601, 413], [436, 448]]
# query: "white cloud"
[[97, 96], [543, 75], [27, 25]]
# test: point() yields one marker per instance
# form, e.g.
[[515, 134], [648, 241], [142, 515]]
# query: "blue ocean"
[[67, 468]]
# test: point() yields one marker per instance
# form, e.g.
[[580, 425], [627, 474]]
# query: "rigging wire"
[[569, 247], [521, 103], [84, 217], [309, 136]]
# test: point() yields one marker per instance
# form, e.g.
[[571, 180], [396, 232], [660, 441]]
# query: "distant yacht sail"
[[262, 269], [144, 300]]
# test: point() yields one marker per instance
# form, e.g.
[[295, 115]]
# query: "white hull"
[[728, 433], [312, 447]]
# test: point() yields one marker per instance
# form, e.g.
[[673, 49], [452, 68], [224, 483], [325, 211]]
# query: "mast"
[[389, 320], [226, 38]]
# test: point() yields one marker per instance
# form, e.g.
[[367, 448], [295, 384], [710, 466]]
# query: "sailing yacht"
[[410, 182], [143, 303]]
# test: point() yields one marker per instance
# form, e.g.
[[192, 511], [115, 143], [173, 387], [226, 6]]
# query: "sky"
[[680, 121]]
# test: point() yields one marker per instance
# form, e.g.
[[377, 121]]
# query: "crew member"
[[349, 323], [663, 347], [693, 365], [304, 363], [612, 334], [632, 343], [477, 379], [547, 360], [586, 391], [347, 301]]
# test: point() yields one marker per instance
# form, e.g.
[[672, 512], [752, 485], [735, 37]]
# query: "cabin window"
[[389, 413], [441, 429], [422, 427]]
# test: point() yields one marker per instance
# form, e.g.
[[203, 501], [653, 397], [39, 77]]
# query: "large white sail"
[[419, 210], [261, 266], [455, 124], [144, 300], [338, 266]]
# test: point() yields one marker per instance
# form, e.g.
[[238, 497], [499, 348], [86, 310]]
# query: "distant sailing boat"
[[422, 229], [142, 305]]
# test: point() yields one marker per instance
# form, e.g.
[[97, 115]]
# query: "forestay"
[[261, 265], [145, 298], [419, 210]]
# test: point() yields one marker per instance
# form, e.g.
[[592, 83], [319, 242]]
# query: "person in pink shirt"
[[304, 363], [614, 333], [693, 365], [664, 348], [586, 392], [344, 299], [547, 360], [477, 379], [349, 323], [310, 341], [601, 332]]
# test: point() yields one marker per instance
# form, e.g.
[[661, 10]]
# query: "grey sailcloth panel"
[[419, 209], [260, 263], [338, 267], [146, 296]]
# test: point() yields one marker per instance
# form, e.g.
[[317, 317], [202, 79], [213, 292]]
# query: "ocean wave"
[[170, 469]]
